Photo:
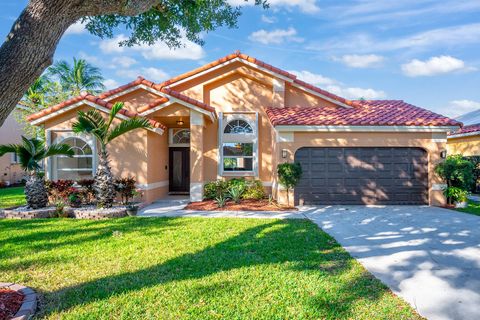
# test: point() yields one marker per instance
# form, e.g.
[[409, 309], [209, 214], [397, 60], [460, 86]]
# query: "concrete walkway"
[[429, 256]]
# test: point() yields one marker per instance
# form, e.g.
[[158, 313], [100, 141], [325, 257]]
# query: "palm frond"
[[6, 148], [83, 124], [126, 126], [117, 106], [59, 149]]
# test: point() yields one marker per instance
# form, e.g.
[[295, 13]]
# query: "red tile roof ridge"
[[95, 99]]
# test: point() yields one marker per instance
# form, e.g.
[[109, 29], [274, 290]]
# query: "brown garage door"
[[362, 176]]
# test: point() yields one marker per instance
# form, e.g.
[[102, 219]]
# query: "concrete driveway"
[[429, 256]]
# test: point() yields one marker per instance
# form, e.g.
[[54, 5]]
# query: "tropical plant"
[[221, 200], [235, 192], [455, 194], [254, 190], [126, 188], [74, 197], [81, 76], [475, 160], [288, 175], [92, 122], [457, 172], [87, 190], [41, 94], [30, 154], [215, 188]]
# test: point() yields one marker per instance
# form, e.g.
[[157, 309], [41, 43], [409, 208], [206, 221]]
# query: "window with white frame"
[[80, 166], [179, 137], [238, 145]]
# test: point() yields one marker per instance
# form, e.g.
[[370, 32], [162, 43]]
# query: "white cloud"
[[441, 37], [276, 36], [433, 66], [361, 61], [111, 83], [159, 50], [150, 73], [313, 78], [89, 58], [357, 93], [76, 28], [461, 107], [306, 6], [267, 19], [337, 87], [123, 61]]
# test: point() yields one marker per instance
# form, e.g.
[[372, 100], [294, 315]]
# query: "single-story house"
[[240, 117], [465, 141]]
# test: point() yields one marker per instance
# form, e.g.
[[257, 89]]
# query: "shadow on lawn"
[[270, 243]]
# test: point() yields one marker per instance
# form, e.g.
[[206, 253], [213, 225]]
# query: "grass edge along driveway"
[[170, 268]]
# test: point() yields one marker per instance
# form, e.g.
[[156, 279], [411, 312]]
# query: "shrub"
[[126, 188], [74, 197], [455, 194], [58, 190], [235, 192], [254, 190], [475, 160], [215, 188], [456, 172], [88, 191], [288, 175]]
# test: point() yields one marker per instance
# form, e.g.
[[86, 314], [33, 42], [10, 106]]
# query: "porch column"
[[196, 156]]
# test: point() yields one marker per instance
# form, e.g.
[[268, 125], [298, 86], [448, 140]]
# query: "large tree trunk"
[[35, 191], [104, 184], [30, 45]]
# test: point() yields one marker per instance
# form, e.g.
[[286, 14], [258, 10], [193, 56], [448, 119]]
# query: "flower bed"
[[16, 301], [244, 205]]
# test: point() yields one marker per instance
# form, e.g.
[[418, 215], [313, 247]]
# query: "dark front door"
[[362, 176], [179, 175]]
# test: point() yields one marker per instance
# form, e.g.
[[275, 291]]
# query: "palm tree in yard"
[[30, 153], [81, 76], [92, 122]]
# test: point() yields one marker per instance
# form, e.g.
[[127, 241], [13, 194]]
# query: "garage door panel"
[[362, 176]]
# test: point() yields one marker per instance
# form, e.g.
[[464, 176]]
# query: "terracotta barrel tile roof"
[[367, 113], [472, 128], [96, 100]]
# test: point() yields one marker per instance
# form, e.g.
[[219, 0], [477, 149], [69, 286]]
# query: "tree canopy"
[[30, 45]]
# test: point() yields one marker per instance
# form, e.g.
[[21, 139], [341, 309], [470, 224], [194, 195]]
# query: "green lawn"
[[193, 268], [473, 208], [10, 197]]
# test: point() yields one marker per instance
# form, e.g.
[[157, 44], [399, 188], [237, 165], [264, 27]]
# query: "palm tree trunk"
[[104, 187], [35, 191]]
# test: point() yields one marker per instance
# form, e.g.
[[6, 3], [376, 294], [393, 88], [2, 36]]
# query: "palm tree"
[[92, 122], [30, 153], [82, 76]]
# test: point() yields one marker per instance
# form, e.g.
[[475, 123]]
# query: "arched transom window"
[[238, 148], [238, 127], [78, 167], [181, 137]]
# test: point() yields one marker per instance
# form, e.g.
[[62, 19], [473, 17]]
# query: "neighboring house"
[[465, 141], [10, 171], [240, 117]]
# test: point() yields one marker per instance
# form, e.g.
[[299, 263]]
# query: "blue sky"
[[422, 51]]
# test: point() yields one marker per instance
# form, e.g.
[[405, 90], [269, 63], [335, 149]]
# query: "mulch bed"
[[10, 303], [244, 205]]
